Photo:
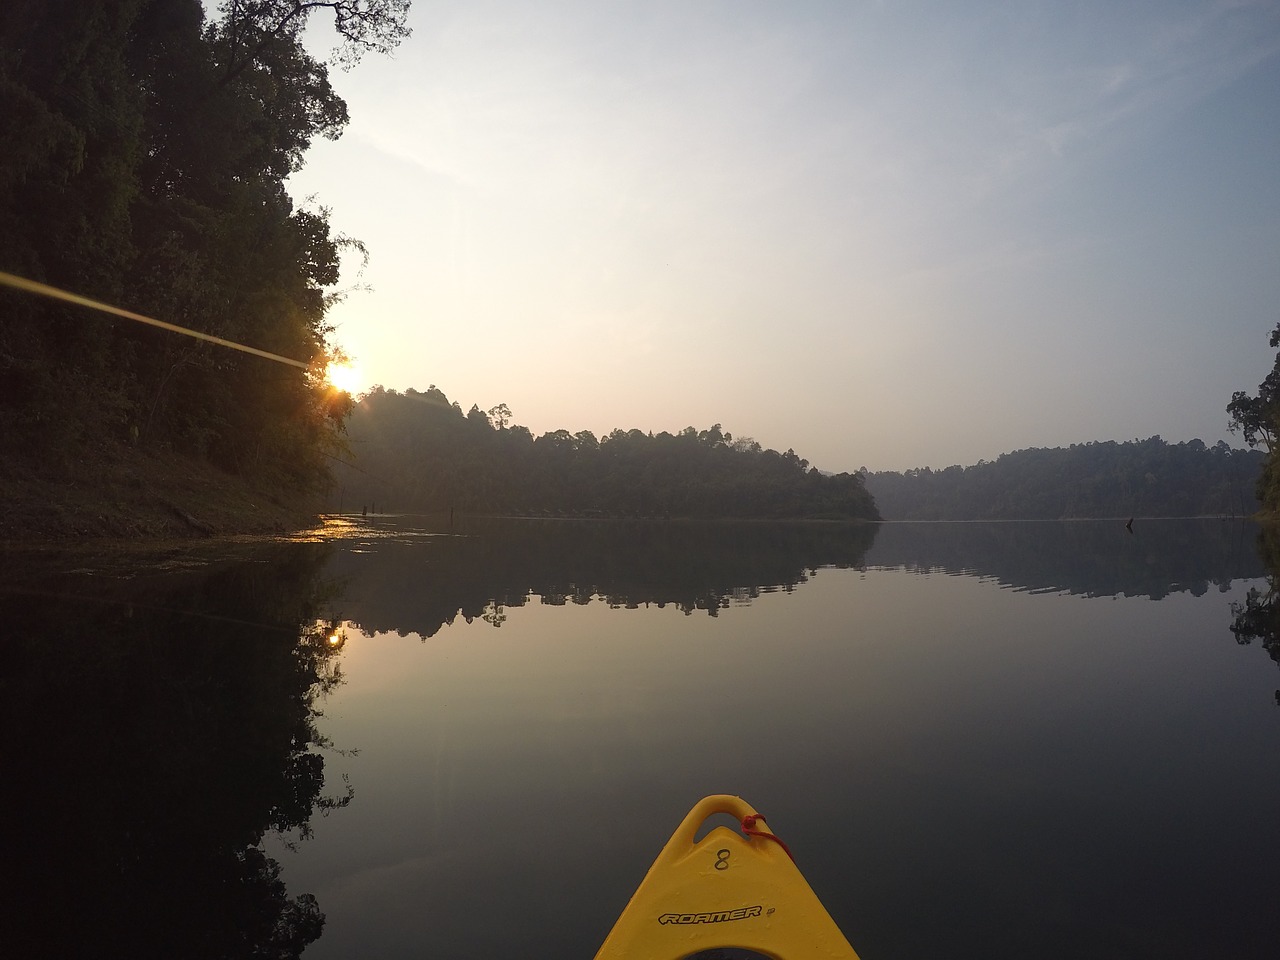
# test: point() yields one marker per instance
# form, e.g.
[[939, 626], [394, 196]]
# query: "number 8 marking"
[[722, 859]]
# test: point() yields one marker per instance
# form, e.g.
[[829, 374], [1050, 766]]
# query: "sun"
[[345, 376]]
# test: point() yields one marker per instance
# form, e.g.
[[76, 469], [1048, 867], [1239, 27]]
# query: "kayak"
[[725, 891]]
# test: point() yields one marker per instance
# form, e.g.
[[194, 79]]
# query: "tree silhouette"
[[1258, 420], [417, 451]]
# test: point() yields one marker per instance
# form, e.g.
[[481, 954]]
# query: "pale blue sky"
[[884, 234]]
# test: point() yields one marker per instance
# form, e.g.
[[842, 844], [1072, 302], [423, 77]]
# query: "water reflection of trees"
[[1258, 617], [1090, 558], [154, 731], [483, 568], [486, 567]]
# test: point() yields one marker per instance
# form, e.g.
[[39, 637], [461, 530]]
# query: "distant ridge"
[[1138, 478]]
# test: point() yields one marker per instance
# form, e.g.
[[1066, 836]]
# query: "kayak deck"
[[735, 894]]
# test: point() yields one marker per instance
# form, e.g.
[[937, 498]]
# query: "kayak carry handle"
[[685, 835]]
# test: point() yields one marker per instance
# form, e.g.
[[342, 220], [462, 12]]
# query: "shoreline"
[[128, 495]]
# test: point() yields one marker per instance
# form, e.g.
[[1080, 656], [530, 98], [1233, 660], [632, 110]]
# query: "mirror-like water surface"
[[987, 740]]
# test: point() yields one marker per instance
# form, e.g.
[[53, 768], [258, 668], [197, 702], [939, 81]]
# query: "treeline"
[[1150, 478], [418, 452], [145, 156]]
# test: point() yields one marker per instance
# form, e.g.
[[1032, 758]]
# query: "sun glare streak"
[[44, 290]]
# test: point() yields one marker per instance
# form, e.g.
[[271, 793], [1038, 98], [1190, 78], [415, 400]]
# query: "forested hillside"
[[417, 452], [144, 164], [1148, 478]]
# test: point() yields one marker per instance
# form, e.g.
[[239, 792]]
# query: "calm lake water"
[[979, 740]]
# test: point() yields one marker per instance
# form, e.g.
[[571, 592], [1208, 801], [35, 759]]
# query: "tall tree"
[[1258, 420]]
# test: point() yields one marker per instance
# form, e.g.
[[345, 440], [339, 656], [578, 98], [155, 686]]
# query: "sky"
[[891, 234]]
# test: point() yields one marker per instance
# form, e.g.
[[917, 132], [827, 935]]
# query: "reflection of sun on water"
[[344, 376]]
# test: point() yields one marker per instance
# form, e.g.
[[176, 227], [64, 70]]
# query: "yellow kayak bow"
[[725, 891]]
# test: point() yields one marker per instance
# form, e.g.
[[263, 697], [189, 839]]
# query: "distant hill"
[[417, 452], [1150, 478]]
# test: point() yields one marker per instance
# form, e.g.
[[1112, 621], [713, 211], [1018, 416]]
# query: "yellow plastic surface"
[[726, 890]]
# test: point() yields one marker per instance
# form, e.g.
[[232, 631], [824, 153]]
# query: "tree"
[[500, 415], [1258, 420], [254, 27], [1255, 418]]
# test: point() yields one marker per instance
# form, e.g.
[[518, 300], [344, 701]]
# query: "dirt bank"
[[135, 495]]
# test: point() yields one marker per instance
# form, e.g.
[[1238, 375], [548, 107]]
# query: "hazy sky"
[[883, 234]]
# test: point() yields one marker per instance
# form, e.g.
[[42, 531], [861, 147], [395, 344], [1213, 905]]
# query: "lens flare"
[[344, 376]]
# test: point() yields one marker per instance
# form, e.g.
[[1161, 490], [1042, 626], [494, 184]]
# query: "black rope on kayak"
[[748, 827]]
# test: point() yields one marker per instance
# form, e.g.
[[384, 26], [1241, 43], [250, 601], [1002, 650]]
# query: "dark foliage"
[[1144, 478], [144, 165], [418, 452], [1258, 421]]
